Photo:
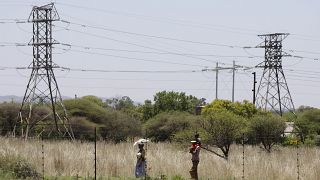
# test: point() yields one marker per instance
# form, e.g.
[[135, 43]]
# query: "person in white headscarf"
[[141, 164]]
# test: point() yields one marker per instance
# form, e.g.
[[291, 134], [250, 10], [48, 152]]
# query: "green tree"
[[94, 99], [120, 127], [126, 105], [120, 103], [244, 109], [164, 126], [82, 128], [146, 110], [222, 128], [267, 129], [308, 123], [114, 125], [174, 101], [83, 107], [8, 117]]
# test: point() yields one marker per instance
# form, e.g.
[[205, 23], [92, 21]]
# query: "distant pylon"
[[42, 88], [273, 92]]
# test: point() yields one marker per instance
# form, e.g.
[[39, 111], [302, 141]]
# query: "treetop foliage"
[[308, 123], [223, 128], [267, 128], [165, 125], [175, 101], [244, 109]]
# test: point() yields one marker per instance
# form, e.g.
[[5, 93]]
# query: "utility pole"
[[233, 76], [217, 72], [254, 88], [273, 92], [42, 88]]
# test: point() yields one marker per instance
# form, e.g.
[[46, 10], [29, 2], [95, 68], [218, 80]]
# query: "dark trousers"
[[194, 170]]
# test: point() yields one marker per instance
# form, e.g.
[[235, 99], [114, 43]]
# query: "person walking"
[[195, 151], [140, 170]]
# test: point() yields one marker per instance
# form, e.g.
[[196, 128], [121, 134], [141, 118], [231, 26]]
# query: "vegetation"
[[170, 117], [8, 117], [308, 123], [267, 129], [164, 126], [175, 101], [244, 109], [223, 128], [117, 161], [16, 167]]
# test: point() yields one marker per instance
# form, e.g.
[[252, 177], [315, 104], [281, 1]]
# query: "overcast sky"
[[141, 35]]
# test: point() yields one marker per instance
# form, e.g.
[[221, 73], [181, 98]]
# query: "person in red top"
[[195, 151]]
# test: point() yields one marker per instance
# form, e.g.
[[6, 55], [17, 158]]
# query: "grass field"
[[66, 159]]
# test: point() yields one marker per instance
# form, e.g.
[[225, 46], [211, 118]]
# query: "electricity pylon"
[[273, 92], [42, 88]]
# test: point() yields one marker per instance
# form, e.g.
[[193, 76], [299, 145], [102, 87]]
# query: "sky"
[[165, 45]]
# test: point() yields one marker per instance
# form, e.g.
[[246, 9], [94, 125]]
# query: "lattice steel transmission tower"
[[273, 92], [42, 88]]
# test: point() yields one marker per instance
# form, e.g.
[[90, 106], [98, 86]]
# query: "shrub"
[[113, 125], [8, 117], [17, 166], [166, 125], [82, 128], [267, 129], [223, 128], [308, 122], [120, 126]]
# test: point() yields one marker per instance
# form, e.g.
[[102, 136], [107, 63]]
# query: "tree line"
[[171, 116]]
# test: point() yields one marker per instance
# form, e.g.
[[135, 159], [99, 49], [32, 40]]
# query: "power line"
[[304, 73], [309, 77], [108, 71], [299, 79], [136, 59], [303, 51], [152, 36], [4, 44], [170, 20], [308, 72], [130, 71], [133, 44], [180, 22], [290, 55], [306, 37], [159, 53], [13, 21]]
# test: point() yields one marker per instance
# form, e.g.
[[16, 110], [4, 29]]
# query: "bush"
[[120, 127], [308, 122], [113, 125], [244, 109], [86, 108], [166, 125], [18, 167], [8, 117], [291, 140], [82, 128], [267, 129], [166, 101], [223, 128]]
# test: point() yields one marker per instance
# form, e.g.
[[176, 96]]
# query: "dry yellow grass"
[[66, 158]]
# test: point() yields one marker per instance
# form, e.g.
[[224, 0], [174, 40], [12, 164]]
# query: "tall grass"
[[65, 158]]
